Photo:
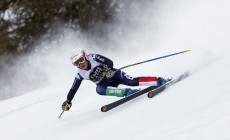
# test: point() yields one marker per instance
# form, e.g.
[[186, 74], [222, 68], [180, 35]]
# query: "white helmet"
[[76, 54]]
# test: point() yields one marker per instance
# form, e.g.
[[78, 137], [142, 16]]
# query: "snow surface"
[[196, 108]]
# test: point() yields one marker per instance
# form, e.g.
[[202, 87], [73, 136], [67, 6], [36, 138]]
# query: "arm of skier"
[[76, 84]]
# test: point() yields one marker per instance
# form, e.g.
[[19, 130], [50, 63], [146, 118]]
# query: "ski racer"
[[100, 70]]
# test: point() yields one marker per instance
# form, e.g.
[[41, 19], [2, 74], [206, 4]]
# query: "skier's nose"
[[82, 66]]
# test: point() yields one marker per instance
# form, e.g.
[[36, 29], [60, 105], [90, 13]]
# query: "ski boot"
[[129, 91], [161, 81]]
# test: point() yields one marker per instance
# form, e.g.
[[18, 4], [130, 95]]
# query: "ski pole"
[[153, 59], [161, 57], [61, 114]]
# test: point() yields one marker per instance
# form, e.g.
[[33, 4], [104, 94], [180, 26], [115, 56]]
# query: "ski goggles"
[[81, 60]]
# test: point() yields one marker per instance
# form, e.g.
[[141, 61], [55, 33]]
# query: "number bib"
[[97, 74]]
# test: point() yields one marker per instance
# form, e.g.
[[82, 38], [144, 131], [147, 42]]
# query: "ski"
[[152, 91], [112, 105], [156, 91]]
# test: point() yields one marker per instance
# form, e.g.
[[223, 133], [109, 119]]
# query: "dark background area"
[[23, 22]]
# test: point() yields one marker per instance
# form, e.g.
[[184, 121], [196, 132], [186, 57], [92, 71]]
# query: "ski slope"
[[196, 108]]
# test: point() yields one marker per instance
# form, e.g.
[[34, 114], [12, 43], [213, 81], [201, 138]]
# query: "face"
[[81, 63]]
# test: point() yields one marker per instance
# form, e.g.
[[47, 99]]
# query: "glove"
[[66, 105], [108, 72], [104, 67]]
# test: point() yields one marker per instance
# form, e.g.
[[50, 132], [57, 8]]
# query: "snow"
[[195, 108]]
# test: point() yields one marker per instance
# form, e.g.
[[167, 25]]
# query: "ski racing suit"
[[107, 86]]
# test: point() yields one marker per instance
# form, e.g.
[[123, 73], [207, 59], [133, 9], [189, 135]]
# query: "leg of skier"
[[110, 88], [125, 79]]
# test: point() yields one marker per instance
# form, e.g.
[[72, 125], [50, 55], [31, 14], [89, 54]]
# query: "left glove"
[[66, 105]]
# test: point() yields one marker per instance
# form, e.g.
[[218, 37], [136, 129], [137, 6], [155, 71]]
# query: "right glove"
[[108, 72], [66, 105], [104, 67]]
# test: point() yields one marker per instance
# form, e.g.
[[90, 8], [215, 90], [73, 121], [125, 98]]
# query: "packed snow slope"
[[196, 108]]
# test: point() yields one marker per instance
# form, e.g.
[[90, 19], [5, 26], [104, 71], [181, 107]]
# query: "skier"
[[99, 70]]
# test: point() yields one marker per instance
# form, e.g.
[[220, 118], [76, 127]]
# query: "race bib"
[[97, 74]]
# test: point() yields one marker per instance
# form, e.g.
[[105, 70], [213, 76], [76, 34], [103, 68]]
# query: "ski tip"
[[150, 95], [104, 109]]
